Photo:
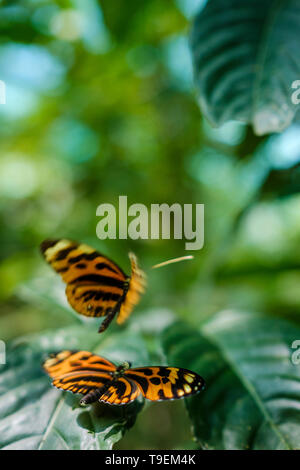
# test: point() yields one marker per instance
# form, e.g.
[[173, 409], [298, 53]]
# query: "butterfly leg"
[[109, 317]]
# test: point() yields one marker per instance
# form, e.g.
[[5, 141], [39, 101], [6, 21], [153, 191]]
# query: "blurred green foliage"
[[246, 65], [101, 103]]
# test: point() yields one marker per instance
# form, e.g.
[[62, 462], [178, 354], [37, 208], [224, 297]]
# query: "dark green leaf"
[[246, 58], [252, 399]]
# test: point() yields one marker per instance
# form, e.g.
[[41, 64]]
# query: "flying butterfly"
[[96, 286], [100, 380]]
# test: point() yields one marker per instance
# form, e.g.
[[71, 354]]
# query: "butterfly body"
[[96, 286], [100, 380]]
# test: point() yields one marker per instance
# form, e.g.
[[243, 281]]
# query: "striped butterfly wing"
[[78, 371], [96, 286], [165, 383], [121, 392]]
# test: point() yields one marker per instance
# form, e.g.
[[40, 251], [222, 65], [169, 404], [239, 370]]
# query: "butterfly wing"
[[121, 392], [136, 288], [96, 286], [78, 371], [165, 383]]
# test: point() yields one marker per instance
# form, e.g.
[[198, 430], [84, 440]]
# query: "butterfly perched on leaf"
[[96, 286], [100, 380]]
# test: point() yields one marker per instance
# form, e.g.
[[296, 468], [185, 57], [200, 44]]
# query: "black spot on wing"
[[164, 372], [81, 265], [155, 380]]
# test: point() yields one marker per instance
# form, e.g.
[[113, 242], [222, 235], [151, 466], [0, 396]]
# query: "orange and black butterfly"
[[96, 286], [100, 380]]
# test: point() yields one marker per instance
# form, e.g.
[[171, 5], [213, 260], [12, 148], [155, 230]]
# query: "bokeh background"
[[101, 103]]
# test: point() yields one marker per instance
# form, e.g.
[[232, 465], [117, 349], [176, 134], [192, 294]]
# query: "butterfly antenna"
[[173, 260]]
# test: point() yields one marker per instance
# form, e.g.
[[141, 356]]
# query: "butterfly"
[[96, 286], [100, 380]]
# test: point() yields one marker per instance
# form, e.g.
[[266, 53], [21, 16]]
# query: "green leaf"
[[252, 398], [33, 415], [246, 58]]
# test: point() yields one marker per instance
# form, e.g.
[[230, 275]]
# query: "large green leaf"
[[252, 399], [33, 415], [246, 58]]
